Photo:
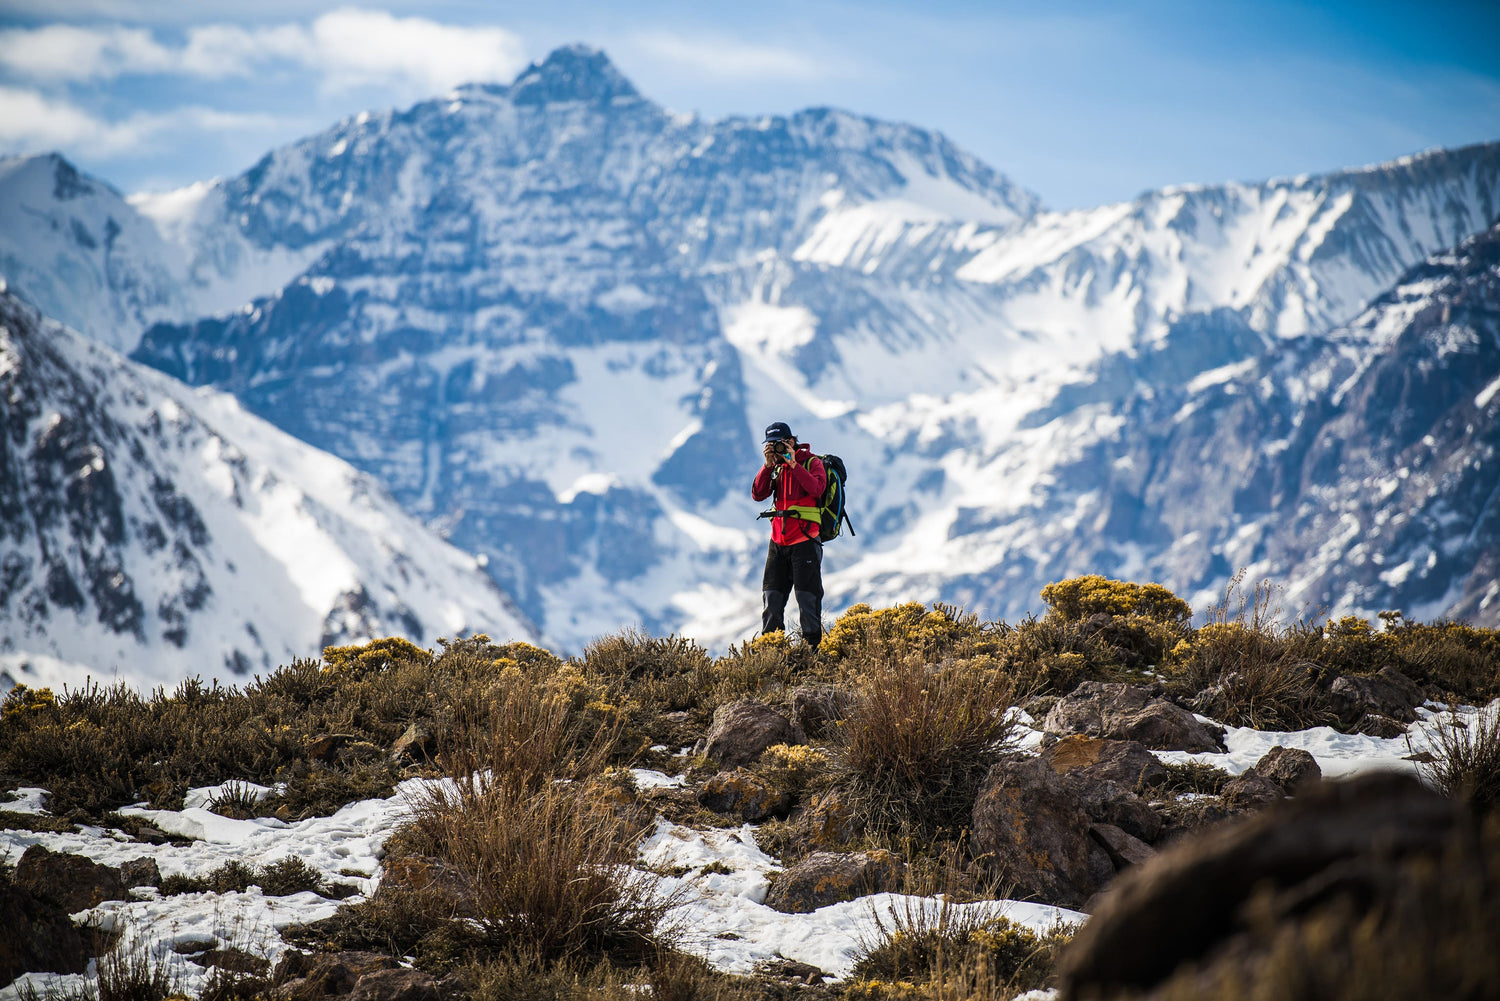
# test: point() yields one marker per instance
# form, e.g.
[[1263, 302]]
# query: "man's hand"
[[772, 457]]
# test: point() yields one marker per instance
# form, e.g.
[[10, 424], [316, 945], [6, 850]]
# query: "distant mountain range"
[[549, 316]]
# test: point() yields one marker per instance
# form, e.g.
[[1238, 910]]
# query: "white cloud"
[[348, 47], [727, 59], [32, 121]]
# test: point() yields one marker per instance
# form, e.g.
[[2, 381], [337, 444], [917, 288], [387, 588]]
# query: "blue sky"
[[1083, 103]]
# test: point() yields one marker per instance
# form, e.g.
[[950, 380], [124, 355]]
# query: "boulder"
[[75, 882], [306, 977], [1343, 841], [824, 878], [1108, 803], [1250, 791], [1388, 692], [395, 985], [36, 935], [412, 746], [1124, 762], [1028, 819], [745, 793], [1376, 725], [1123, 849], [1289, 767], [141, 871], [1129, 712], [832, 821], [742, 730]]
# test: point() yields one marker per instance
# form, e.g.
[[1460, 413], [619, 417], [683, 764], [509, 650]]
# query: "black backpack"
[[830, 510]]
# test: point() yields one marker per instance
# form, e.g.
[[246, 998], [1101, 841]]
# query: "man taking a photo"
[[794, 478]]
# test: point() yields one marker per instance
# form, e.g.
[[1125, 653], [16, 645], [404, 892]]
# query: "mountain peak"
[[572, 73]]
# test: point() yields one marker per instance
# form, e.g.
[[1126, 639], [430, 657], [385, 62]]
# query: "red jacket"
[[799, 485]]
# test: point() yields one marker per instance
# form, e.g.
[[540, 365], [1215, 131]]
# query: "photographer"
[[795, 478]]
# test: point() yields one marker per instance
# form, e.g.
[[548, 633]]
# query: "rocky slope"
[[153, 531]]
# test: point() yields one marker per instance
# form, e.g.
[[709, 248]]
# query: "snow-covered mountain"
[[549, 316], [157, 531]]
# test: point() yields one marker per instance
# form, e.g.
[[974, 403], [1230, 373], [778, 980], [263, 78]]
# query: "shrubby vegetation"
[[510, 879]]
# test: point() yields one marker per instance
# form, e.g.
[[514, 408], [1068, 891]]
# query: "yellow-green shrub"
[[1081, 597]]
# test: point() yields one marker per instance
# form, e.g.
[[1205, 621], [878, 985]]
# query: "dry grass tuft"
[[1468, 759]]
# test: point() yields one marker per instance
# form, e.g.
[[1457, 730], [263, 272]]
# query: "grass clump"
[[924, 951], [916, 741], [1467, 764]]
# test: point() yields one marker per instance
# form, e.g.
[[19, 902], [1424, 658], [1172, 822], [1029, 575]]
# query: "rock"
[[743, 792], [75, 882], [1250, 791], [231, 960], [1108, 803], [1376, 725], [781, 968], [824, 878], [140, 872], [305, 977], [412, 746], [395, 985], [815, 706], [1027, 818], [832, 821], [1128, 712], [36, 935], [1123, 850], [742, 730], [1289, 767], [1125, 762], [1388, 692], [1189, 903]]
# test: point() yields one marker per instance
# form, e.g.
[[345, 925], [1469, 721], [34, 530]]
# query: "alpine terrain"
[[550, 318], [153, 531]]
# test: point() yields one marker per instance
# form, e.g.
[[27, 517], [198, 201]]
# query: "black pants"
[[798, 567]]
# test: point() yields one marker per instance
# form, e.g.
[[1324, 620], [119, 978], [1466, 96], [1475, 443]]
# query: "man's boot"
[[810, 617]]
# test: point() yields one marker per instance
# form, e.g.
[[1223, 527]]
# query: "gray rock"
[[1388, 692], [744, 793], [1123, 849], [1125, 762], [1251, 791], [824, 878], [75, 882], [140, 872], [1128, 712], [742, 730]]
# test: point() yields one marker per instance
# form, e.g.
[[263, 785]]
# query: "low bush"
[[1249, 677], [863, 635], [1081, 597], [916, 740]]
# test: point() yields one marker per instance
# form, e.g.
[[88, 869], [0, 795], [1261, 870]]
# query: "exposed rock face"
[[742, 730], [1124, 850], [832, 821], [1387, 693], [1029, 818], [824, 878], [1250, 791], [395, 985], [1126, 763], [309, 977], [1291, 768], [75, 882], [1128, 712], [745, 793], [815, 706], [1339, 842], [36, 935]]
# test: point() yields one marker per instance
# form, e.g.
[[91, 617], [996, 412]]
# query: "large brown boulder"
[[1291, 768], [1029, 820], [1129, 712], [395, 985], [1124, 762], [744, 793], [742, 730], [311, 976], [36, 935], [824, 878], [1340, 847], [75, 882]]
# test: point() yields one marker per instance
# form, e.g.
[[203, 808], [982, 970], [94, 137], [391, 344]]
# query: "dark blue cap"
[[778, 431]]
